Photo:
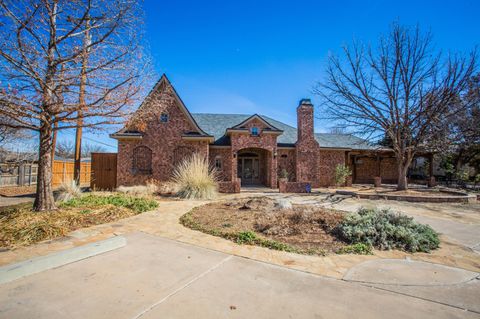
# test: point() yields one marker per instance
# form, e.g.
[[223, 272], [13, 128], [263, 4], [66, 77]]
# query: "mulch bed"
[[11, 191], [306, 228]]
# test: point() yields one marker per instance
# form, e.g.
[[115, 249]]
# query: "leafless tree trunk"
[[41, 70], [402, 90]]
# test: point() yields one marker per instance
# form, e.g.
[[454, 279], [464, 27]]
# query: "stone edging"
[[460, 197]]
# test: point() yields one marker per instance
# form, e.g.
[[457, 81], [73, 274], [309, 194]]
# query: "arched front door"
[[249, 168]]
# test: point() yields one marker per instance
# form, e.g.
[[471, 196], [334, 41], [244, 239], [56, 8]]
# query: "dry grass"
[[20, 226], [194, 179], [139, 190], [68, 191]]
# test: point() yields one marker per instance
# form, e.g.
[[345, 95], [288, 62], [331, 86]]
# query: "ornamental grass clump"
[[67, 191], [385, 230], [194, 179]]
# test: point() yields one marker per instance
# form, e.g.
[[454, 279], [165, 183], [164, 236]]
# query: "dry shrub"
[[24, 227], [167, 188], [139, 190], [21, 226], [68, 191], [194, 179]]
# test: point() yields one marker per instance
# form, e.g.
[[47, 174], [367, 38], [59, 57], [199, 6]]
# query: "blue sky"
[[264, 56]]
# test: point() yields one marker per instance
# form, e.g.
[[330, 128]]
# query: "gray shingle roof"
[[216, 125]]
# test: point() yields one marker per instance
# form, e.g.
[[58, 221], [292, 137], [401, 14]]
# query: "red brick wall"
[[368, 169], [307, 148], [225, 154], [164, 139], [293, 187], [266, 142], [287, 162], [229, 187], [327, 162]]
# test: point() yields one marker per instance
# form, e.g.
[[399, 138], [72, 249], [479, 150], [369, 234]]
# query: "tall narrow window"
[[142, 160], [255, 131], [218, 163]]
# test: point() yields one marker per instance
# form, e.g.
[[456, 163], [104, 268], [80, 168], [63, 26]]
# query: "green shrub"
[[246, 237], [341, 174], [384, 229], [359, 249], [136, 204], [283, 174]]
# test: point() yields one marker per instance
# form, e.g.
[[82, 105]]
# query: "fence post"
[[21, 174]]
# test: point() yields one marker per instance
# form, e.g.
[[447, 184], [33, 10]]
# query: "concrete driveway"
[[154, 277]]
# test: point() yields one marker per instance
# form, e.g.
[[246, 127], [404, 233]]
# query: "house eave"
[[122, 137], [208, 138]]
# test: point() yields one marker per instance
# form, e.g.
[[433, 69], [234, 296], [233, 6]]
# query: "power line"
[[89, 139]]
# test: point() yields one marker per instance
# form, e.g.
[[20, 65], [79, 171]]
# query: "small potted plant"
[[282, 178]]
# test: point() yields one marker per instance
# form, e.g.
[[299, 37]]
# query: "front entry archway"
[[251, 166]]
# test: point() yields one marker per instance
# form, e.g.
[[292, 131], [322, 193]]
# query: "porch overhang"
[[127, 136]]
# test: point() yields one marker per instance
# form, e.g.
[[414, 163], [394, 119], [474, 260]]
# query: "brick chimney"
[[305, 120], [307, 148]]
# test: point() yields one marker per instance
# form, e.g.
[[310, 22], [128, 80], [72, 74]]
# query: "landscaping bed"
[[308, 229], [20, 226], [431, 195]]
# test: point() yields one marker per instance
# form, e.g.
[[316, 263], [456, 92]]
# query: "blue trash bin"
[[308, 188]]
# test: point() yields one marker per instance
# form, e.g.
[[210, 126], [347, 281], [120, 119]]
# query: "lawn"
[[20, 226], [308, 229]]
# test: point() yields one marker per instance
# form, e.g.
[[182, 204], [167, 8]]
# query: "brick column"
[[306, 147]]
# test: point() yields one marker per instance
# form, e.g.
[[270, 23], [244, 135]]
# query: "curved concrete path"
[[153, 277]]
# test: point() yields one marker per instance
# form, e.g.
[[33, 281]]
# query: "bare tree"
[[88, 149], [65, 149], [402, 90], [41, 66]]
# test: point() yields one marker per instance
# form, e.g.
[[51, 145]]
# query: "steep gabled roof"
[[164, 81], [216, 125]]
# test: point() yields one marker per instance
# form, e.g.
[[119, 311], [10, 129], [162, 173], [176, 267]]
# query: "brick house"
[[248, 149]]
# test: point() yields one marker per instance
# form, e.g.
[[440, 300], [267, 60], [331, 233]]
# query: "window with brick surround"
[[142, 160], [255, 131], [218, 163]]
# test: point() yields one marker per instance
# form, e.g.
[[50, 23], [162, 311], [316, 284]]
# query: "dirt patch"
[[9, 191], [307, 229]]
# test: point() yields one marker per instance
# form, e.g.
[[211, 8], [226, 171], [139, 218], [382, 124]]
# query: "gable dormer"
[[255, 125]]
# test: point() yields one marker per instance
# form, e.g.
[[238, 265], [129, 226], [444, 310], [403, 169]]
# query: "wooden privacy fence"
[[63, 172], [104, 171], [15, 174]]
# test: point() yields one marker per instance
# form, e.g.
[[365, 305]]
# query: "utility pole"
[[55, 123], [81, 102]]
